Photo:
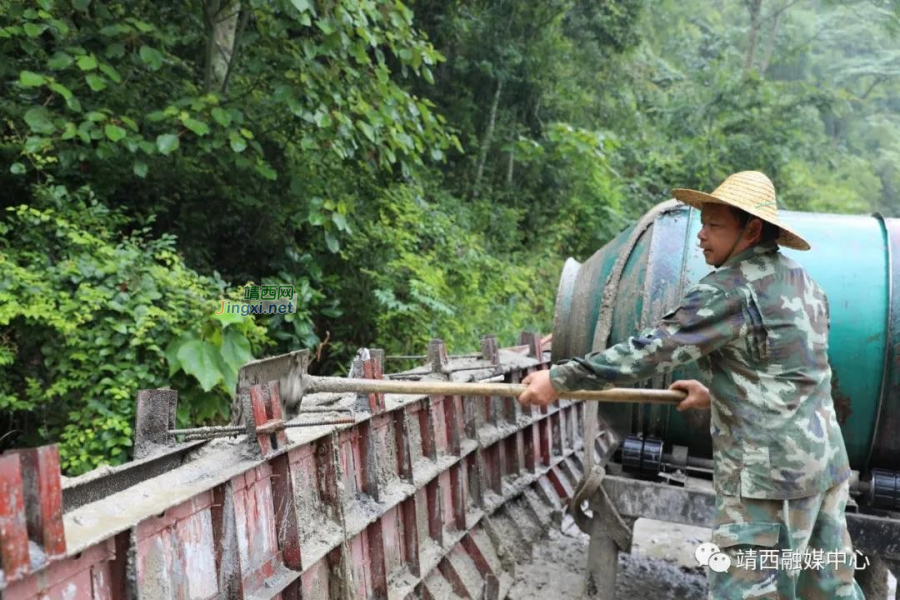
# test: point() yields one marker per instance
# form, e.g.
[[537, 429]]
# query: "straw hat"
[[750, 191]]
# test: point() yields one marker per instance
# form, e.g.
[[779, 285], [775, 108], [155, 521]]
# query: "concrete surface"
[[661, 565]]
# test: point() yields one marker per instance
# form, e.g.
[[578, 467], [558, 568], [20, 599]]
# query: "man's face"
[[720, 229]]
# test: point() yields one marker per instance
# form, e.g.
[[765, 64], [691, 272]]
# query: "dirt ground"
[[661, 565]]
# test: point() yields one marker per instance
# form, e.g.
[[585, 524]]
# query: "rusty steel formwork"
[[418, 497]]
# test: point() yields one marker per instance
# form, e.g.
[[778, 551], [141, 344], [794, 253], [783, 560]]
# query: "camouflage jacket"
[[759, 328]]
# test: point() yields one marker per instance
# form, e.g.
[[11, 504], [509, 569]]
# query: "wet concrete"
[[661, 565], [558, 569]]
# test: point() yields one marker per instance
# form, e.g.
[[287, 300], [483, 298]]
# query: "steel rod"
[[196, 437], [335, 421], [216, 429], [233, 430], [314, 384], [424, 356]]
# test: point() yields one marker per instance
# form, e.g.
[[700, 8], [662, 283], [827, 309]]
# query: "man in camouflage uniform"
[[758, 325]]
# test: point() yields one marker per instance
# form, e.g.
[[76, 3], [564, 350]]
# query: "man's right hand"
[[697, 394]]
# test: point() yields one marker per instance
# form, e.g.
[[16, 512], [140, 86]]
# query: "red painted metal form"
[[14, 551], [31, 517], [420, 497]]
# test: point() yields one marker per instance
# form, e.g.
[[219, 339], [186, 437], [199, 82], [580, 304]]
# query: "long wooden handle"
[[507, 390]]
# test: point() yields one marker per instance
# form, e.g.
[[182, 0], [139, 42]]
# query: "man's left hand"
[[540, 391], [697, 394]]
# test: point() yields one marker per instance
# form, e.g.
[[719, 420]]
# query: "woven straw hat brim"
[[788, 238]]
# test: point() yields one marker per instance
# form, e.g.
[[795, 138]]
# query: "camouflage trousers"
[[779, 549]]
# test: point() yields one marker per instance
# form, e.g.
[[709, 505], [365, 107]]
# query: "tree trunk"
[[243, 18], [770, 46], [488, 136], [221, 17], [509, 168], [755, 7]]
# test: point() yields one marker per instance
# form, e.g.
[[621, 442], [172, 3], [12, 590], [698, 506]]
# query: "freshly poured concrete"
[[661, 565]]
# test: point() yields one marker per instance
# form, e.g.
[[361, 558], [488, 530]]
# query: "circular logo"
[[704, 551], [719, 562]]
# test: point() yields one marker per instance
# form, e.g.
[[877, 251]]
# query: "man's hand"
[[697, 394], [540, 391]]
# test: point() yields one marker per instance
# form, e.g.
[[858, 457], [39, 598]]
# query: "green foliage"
[[438, 280], [847, 185], [414, 171], [126, 98], [586, 209], [86, 318]]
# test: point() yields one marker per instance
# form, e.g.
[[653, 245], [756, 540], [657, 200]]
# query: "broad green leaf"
[[17, 168], [35, 144], [74, 104], [229, 379], [110, 72], [301, 5], [367, 130], [34, 29], [113, 30], [114, 132], [115, 50], [70, 132], [95, 82], [87, 62], [167, 143], [81, 5], [140, 168], [341, 221], [30, 79], [235, 348], [325, 25], [151, 57], [61, 90], [38, 120], [237, 142], [171, 351], [59, 61], [198, 127], [228, 318], [142, 26], [199, 358], [332, 242], [266, 170], [221, 116], [323, 119]]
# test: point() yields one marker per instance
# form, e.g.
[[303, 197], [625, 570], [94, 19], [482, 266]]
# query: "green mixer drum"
[[641, 274]]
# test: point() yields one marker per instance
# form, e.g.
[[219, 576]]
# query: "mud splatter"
[[842, 404]]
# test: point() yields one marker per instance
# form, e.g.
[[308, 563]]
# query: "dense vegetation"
[[413, 170]]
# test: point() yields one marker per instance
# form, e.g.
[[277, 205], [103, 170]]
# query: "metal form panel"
[[419, 497]]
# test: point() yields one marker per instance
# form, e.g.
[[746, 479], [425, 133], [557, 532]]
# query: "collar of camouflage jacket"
[[752, 251]]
